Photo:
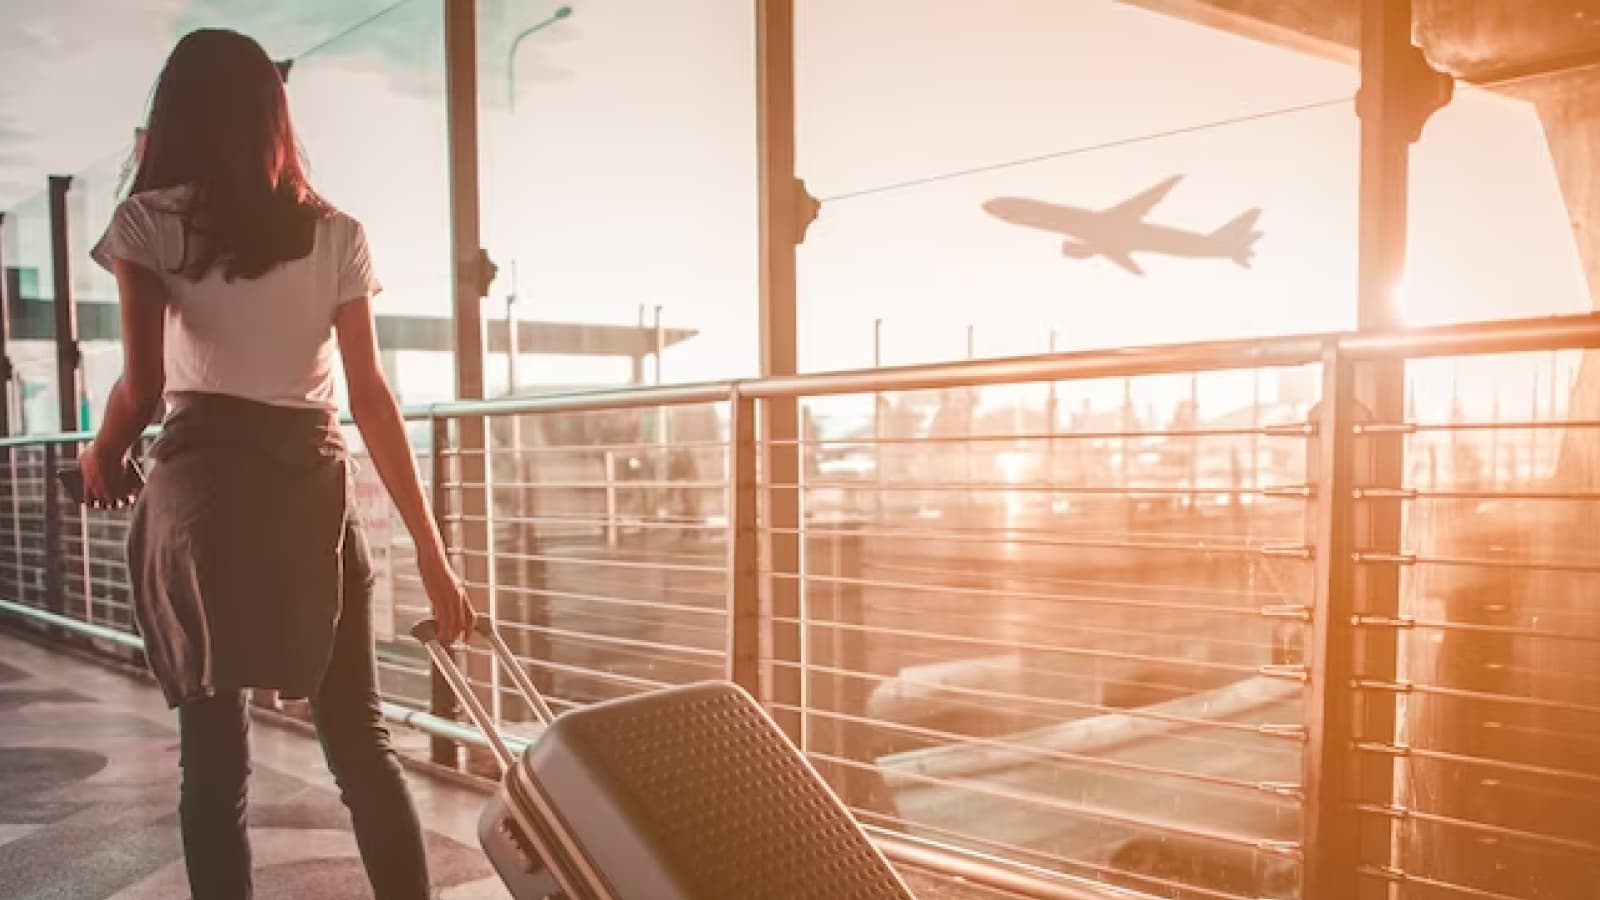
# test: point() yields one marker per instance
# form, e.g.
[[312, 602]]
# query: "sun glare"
[[1414, 305]]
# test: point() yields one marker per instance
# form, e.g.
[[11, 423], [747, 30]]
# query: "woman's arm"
[[382, 427], [133, 398]]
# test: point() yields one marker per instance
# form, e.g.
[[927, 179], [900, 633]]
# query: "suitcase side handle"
[[427, 633]]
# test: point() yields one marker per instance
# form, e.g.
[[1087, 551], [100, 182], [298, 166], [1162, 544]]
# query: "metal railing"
[[1082, 625]]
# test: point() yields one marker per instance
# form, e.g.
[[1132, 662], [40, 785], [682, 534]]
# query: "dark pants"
[[215, 755]]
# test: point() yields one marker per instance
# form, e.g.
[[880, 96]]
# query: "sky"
[[625, 176]]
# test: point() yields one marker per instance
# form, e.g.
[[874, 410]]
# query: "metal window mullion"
[[783, 211], [470, 276], [68, 354]]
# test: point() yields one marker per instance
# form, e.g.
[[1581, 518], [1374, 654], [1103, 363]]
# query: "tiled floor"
[[88, 792]]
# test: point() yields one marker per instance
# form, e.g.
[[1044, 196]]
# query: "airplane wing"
[[1137, 207], [1121, 258]]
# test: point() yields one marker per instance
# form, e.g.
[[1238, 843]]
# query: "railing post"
[[531, 598], [610, 462], [879, 408], [1399, 92], [75, 519], [441, 700], [54, 574], [1332, 776], [1327, 841], [744, 543]]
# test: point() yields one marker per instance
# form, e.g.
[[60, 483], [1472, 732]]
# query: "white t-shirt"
[[269, 339]]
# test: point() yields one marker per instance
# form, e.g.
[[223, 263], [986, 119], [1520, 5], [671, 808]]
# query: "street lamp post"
[[511, 57], [511, 103], [532, 610]]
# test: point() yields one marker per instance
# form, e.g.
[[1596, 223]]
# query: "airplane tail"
[[1237, 239]]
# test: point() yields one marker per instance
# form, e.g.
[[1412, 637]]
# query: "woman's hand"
[[104, 483], [451, 609]]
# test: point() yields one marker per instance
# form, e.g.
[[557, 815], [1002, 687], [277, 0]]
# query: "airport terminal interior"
[[1118, 449]]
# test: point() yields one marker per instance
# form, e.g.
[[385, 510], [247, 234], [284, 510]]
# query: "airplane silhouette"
[[1118, 232]]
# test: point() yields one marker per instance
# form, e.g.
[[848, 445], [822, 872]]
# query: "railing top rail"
[[1570, 332], [62, 437], [588, 401], [1115, 363], [1550, 333], [1505, 336]]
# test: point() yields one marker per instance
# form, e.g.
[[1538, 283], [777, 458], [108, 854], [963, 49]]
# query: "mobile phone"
[[71, 478]]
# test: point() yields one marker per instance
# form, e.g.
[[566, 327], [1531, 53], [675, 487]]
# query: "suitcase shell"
[[687, 793]]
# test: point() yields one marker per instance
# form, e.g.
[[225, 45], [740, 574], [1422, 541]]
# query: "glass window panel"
[[1503, 203], [1490, 233], [1057, 176], [28, 261], [917, 123], [369, 106], [91, 202], [619, 170]]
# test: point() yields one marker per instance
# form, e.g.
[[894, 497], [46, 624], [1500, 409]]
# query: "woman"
[[247, 563]]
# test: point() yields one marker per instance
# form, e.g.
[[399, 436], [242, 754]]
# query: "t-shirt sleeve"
[[131, 237], [356, 277]]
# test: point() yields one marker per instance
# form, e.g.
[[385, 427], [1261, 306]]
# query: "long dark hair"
[[219, 125]]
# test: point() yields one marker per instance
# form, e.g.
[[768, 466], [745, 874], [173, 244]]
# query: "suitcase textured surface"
[[693, 793]]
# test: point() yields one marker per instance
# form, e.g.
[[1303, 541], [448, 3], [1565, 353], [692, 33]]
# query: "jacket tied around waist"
[[243, 546]]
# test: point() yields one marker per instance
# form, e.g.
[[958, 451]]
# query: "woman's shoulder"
[[338, 221], [338, 217]]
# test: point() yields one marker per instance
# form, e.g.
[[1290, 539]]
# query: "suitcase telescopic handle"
[[486, 629], [426, 633]]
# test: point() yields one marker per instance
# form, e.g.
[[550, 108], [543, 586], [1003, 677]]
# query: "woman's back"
[[269, 339], [237, 282]]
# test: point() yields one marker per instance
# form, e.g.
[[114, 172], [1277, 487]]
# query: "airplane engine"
[[1076, 250]]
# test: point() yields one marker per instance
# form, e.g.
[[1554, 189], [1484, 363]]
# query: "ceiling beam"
[[1517, 74], [1255, 27]]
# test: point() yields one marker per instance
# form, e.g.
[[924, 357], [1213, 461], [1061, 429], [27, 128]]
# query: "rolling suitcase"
[[687, 793]]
